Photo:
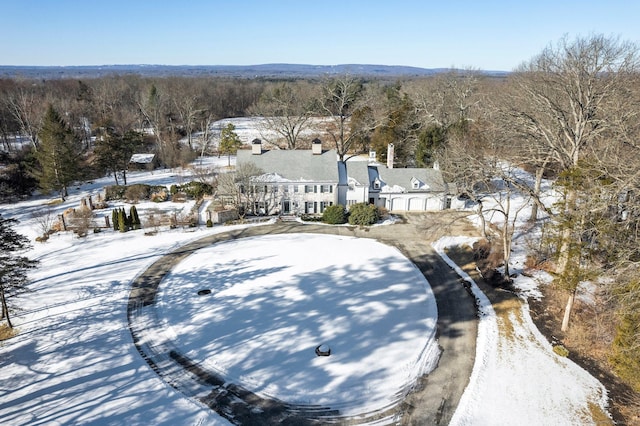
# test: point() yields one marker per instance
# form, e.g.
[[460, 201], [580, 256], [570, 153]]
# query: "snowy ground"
[[281, 296], [74, 361], [250, 128]]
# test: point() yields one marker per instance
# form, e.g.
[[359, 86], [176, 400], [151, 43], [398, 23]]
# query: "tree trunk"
[[567, 311], [506, 250], [5, 308], [536, 191], [483, 222], [566, 237]]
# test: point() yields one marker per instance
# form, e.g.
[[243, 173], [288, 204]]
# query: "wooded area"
[[570, 114]]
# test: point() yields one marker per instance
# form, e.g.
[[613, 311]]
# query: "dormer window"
[[376, 183], [415, 183]]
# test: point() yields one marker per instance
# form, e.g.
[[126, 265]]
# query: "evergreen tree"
[[229, 141], [122, 220], [625, 356], [13, 267], [363, 214], [113, 151], [334, 215], [58, 155], [135, 219], [114, 219], [429, 143]]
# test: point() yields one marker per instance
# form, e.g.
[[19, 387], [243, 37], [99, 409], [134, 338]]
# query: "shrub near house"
[[334, 215], [363, 214]]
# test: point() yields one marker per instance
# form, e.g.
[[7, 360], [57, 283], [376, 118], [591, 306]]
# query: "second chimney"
[[390, 156], [316, 146], [256, 147]]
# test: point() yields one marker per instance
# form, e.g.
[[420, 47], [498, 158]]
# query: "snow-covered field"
[[250, 128], [74, 361]]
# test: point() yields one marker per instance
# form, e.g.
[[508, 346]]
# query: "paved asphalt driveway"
[[435, 396]]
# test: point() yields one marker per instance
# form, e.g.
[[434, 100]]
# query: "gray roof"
[[359, 170], [402, 177], [295, 165]]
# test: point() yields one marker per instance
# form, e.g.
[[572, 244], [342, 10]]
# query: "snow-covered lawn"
[[274, 299], [74, 361]]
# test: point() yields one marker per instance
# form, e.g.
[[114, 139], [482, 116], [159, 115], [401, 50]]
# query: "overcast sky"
[[487, 35]]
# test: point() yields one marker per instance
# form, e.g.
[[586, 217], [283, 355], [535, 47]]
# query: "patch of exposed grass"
[[561, 351], [463, 257], [508, 309], [508, 312], [599, 416], [6, 332]]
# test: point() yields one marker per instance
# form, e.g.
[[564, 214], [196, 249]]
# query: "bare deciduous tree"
[[286, 110], [238, 188], [569, 100]]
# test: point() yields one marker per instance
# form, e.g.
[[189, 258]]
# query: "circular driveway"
[[274, 299], [210, 367]]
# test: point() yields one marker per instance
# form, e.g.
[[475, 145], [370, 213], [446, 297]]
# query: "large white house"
[[307, 181]]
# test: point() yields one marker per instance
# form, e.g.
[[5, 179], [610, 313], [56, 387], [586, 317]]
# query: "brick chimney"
[[390, 156], [316, 146], [256, 147]]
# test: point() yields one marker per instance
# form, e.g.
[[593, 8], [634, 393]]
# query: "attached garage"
[[397, 204], [416, 204]]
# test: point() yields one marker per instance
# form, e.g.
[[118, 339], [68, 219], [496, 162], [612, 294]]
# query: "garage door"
[[416, 204], [397, 204]]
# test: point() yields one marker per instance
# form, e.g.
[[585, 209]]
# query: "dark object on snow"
[[323, 350]]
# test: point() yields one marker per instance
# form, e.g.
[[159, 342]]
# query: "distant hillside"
[[239, 71]]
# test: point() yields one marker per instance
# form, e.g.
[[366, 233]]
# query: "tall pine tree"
[[113, 151], [13, 267], [58, 155], [229, 141]]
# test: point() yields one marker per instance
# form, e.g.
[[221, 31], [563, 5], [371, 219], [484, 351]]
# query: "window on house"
[[309, 188], [324, 205], [326, 189]]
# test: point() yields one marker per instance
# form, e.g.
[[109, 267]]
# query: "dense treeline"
[[569, 113]]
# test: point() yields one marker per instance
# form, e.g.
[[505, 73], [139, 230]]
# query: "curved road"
[[434, 397]]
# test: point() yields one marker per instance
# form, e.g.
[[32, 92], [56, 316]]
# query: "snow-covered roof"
[[142, 158], [395, 180], [429, 180], [270, 178]]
